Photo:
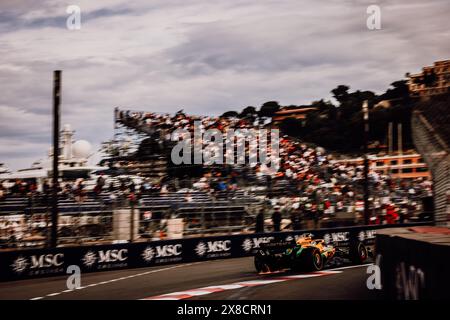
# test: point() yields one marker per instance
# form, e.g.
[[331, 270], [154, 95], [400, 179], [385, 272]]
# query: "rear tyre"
[[261, 262], [317, 260], [312, 260], [359, 253]]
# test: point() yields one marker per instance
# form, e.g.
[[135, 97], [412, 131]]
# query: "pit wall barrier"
[[34, 263], [414, 265]]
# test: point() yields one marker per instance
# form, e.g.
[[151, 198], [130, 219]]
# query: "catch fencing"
[[435, 150]]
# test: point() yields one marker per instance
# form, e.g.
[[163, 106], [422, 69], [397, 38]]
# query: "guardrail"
[[413, 263], [31, 263]]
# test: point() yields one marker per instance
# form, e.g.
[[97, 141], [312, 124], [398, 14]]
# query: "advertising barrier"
[[25, 264]]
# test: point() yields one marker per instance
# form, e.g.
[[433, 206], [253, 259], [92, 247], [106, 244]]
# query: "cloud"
[[204, 56]]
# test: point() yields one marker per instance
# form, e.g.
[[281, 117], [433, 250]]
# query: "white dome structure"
[[81, 149]]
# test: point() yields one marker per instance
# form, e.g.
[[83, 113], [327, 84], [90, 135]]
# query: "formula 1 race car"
[[304, 254]]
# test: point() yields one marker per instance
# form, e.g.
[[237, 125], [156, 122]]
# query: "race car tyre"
[[317, 261], [261, 263], [310, 260], [358, 253]]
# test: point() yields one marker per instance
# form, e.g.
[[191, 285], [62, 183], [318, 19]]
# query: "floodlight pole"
[[55, 173], [365, 109]]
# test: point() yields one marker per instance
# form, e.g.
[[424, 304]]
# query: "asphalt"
[[133, 284]]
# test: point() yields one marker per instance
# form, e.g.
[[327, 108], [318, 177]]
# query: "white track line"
[[114, 280], [179, 295], [351, 267], [211, 288]]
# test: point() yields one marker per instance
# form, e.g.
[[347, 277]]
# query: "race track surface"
[[229, 279]]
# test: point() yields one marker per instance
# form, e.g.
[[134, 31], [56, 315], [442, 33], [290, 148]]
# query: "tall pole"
[[366, 162], [390, 138], [400, 139], [131, 220], [56, 118]]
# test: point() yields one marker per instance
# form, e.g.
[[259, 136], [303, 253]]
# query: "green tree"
[[248, 111], [354, 101], [268, 109], [399, 90], [230, 114], [340, 93], [291, 127]]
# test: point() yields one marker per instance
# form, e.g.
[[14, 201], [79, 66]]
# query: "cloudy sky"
[[206, 56]]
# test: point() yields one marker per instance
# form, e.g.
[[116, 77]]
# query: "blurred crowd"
[[316, 186]]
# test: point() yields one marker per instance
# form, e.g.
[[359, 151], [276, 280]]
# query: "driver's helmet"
[[305, 239]]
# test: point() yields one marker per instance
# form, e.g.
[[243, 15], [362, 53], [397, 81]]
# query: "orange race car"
[[306, 254]]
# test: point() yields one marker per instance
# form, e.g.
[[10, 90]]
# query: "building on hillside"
[[297, 113], [433, 80], [402, 166]]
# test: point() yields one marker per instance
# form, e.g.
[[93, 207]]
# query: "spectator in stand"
[[132, 187], [276, 220], [2, 192], [296, 219], [259, 226], [97, 190], [221, 186], [101, 182], [188, 198], [391, 215], [80, 192], [46, 191]]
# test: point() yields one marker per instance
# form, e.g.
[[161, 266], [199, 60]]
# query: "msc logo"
[[290, 237], [212, 246], [20, 264], [47, 260], [253, 243], [336, 237], [366, 234], [169, 250], [38, 262], [104, 256]]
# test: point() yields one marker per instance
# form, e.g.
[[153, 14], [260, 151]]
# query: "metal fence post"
[[131, 221]]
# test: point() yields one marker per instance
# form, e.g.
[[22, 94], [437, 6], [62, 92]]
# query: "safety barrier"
[[24, 264], [414, 263]]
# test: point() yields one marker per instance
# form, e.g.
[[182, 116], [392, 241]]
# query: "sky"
[[203, 56]]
